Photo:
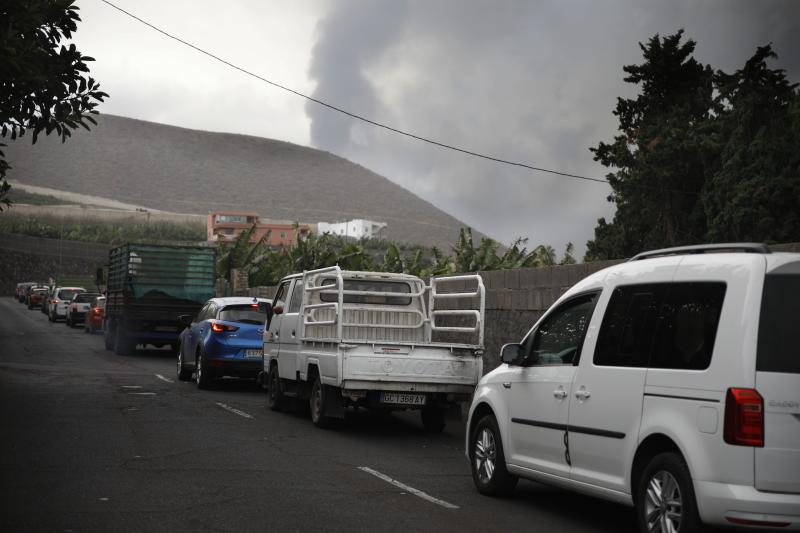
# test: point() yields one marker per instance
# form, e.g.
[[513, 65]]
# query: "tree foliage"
[[45, 86], [701, 156]]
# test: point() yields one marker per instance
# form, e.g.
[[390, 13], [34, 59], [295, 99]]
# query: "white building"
[[357, 228]]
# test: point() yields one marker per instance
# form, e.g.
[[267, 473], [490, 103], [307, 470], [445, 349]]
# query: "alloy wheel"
[[485, 455], [663, 504]]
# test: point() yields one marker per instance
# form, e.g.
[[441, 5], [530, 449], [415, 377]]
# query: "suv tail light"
[[218, 327], [744, 417]]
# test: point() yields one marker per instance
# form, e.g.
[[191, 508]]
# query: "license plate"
[[402, 398], [252, 353], [166, 328]]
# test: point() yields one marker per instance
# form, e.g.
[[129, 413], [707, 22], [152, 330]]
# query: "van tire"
[[485, 440], [667, 471], [432, 418], [108, 338], [275, 399]]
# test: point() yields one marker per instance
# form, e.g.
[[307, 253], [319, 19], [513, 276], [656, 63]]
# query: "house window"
[[283, 235]]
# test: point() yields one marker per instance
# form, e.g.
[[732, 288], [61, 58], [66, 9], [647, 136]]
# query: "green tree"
[[755, 196], [45, 86], [660, 157]]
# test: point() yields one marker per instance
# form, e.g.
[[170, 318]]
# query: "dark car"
[[78, 307], [94, 317], [224, 339]]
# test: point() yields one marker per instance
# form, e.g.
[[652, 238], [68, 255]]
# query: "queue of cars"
[[72, 304], [670, 383]]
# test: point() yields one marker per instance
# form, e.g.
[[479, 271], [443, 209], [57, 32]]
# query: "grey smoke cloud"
[[529, 81]]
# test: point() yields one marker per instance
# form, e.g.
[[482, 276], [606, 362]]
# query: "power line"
[[350, 114]]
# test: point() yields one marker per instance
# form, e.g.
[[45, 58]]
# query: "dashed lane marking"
[[142, 393], [416, 492], [131, 386], [162, 378], [234, 410]]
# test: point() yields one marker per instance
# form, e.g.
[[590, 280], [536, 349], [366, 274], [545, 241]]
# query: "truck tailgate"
[[407, 364]]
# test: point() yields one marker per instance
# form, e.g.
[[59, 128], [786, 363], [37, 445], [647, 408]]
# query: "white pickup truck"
[[343, 339]]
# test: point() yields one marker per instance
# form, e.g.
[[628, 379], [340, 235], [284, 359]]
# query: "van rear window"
[[369, 285], [780, 317]]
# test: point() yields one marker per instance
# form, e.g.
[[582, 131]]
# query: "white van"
[[379, 340], [670, 382]]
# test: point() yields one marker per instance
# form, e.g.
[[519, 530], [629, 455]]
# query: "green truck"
[[149, 287]]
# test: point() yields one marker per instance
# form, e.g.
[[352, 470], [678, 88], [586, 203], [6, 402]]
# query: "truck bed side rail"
[[436, 295]]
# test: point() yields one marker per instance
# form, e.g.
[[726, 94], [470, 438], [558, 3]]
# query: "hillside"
[[190, 171]]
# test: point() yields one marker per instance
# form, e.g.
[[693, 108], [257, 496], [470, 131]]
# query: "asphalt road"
[[92, 441]]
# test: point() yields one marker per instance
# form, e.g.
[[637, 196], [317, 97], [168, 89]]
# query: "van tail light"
[[218, 327], [744, 417]]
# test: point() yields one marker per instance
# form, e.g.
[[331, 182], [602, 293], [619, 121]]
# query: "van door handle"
[[507, 384], [560, 393], [583, 394]]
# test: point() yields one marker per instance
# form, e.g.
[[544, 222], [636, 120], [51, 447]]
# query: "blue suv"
[[224, 339]]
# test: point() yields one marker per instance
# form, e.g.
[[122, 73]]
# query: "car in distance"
[[36, 297], [59, 299], [670, 383], [78, 306], [224, 339], [94, 317]]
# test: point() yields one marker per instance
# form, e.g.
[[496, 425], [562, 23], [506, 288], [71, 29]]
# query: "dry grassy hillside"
[[190, 171]]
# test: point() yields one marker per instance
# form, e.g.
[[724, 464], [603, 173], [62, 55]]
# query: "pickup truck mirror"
[[510, 353], [186, 320]]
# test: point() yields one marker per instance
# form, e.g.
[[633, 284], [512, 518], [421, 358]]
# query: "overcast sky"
[[531, 81]]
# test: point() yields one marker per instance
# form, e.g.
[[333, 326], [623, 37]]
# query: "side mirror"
[[510, 353], [186, 320], [278, 309]]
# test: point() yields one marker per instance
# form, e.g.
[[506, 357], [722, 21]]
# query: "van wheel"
[[275, 398], [488, 461], [108, 336], [664, 497], [316, 404], [432, 418]]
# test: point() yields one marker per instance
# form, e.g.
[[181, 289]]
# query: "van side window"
[[626, 334], [280, 295], [558, 339], [688, 326], [294, 304]]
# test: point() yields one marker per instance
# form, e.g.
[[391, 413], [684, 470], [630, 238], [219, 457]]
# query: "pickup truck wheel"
[[316, 404], [202, 378], [432, 418], [183, 373], [275, 398], [664, 497], [488, 461]]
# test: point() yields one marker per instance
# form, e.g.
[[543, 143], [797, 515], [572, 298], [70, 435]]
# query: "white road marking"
[[412, 490], [234, 410], [131, 386], [143, 393], [162, 378]]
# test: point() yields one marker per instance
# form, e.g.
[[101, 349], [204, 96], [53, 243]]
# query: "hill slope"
[[190, 171]]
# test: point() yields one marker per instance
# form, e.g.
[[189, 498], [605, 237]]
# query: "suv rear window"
[[67, 294], [369, 285], [243, 313], [780, 309]]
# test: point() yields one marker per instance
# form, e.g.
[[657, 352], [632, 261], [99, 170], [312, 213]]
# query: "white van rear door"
[[778, 380]]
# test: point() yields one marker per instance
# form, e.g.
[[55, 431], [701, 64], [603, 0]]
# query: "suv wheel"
[[275, 398], [664, 498], [488, 460], [122, 346], [183, 373], [202, 378]]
